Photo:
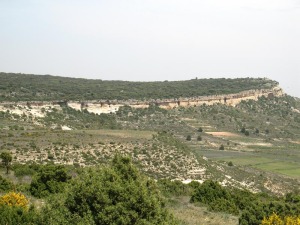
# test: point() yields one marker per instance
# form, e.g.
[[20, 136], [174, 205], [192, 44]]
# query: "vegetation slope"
[[26, 87], [242, 154]]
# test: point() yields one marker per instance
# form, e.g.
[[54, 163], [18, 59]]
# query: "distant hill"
[[27, 87]]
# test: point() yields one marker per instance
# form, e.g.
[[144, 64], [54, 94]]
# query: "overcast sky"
[[143, 40]]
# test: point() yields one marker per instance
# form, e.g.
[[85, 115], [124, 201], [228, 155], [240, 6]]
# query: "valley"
[[248, 140]]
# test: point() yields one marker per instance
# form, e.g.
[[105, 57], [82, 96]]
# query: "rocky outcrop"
[[231, 99], [112, 106]]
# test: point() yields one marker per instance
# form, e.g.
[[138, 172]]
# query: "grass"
[[136, 134], [287, 168], [284, 168], [247, 160], [191, 214]]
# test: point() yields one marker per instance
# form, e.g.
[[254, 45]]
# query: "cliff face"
[[105, 106], [232, 100]]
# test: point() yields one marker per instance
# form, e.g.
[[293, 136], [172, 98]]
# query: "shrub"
[[176, 187], [243, 130], [14, 199], [230, 163], [49, 179], [14, 215], [5, 185], [273, 219], [118, 194], [215, 196], [23, 170], [189, 138]]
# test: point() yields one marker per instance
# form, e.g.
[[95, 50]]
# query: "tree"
[[200, 129], [189, 137], [243, 130], [117, 194], [222, 147], [199, 138], [6, 160]]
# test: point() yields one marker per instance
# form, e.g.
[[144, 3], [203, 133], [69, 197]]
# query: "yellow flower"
[[274, 219], [14, 199]]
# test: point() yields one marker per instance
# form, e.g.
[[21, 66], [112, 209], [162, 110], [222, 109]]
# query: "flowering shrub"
[[14, 199], [274, 219]]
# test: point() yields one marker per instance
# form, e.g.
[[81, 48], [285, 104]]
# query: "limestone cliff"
[[106, 106]]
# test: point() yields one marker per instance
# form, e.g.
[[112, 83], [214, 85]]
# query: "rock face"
[[105, 106], [232, 100]]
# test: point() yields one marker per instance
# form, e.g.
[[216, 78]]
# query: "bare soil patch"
[[223, 134]]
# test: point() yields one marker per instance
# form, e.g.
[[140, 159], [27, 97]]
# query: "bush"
[[189, 138], [48, 180], [24, 170], [230, 163], [200, 129], [176, 187], [14, 199], [118, 194], [243, 130], [5, 185], [215, 196], [14, 215]]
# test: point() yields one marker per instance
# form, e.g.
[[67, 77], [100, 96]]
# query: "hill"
[[26, 87], [246, 137]]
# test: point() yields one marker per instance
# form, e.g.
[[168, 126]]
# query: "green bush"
[[189, 138], [16, 215], [5, 185], [24, 170], [48, 180], [215, 196], [176, 187], [230, 163], [118, 194]]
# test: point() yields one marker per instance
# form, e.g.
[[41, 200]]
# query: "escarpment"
[[111, 106]]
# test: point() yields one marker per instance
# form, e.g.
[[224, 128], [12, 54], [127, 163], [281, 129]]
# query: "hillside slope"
[[254, 145]]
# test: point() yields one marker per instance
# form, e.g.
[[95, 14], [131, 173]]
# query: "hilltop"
[[26, 87]]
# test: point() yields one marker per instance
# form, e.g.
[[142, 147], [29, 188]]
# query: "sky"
[[147, 40]]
